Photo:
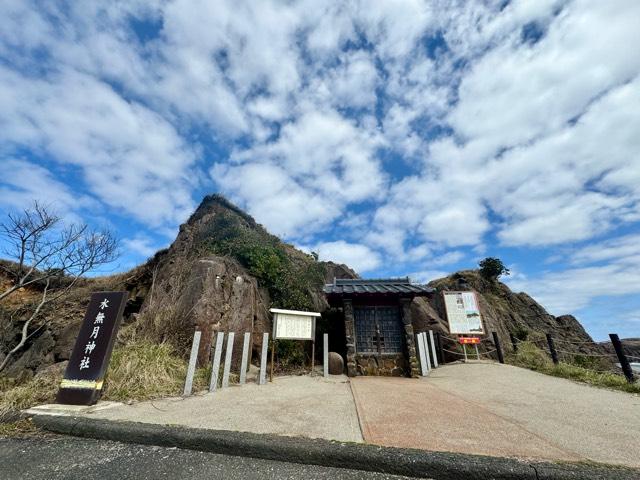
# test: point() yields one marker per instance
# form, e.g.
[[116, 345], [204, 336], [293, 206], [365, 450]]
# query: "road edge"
[[398, 461]]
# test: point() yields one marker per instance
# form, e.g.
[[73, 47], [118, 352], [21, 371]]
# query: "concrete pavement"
[[313, 407], [493, 409]]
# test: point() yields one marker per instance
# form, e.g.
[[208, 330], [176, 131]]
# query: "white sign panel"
[[294, 325], [463, 313]]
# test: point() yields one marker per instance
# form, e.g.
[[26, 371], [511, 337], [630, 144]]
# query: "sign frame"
[[477, 304], [293, 313]]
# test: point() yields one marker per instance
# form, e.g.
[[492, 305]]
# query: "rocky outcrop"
[[502, 310], [224, 271]]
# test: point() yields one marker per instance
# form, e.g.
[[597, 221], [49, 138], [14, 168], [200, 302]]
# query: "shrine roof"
[[382, 286]]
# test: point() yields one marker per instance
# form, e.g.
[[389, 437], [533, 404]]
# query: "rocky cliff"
[[224, 271], [504, 312]]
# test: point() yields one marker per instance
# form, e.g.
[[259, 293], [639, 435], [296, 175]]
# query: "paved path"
[[495, 409], [313, 407], [69, 458]]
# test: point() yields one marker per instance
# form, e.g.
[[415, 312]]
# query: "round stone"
[[336, 364]]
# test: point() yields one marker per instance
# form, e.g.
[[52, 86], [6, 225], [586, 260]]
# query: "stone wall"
[[383, 365]]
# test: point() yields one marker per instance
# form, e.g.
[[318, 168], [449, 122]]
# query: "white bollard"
[[325, 352], [434, 357], [245, 358], [263, 359], [227, 360], [425, 346], [215, 368], [421, 356], [193, 358]]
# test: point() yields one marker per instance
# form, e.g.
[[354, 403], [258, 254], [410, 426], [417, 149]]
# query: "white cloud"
[[359, 257], [141, 245]]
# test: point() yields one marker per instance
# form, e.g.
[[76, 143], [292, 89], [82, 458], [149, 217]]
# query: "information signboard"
[[463, 313], [293, 324]]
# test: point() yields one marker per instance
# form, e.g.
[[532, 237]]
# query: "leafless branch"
[[48, 253]]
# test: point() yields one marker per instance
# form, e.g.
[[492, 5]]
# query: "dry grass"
[[138, 371], [40, 389], [531, 357], [143, 370]]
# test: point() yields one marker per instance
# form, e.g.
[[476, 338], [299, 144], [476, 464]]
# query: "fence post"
[[215, 367], [433, 349], [263, 359], [496, 341], [193, 358], [552, 349], [325, 355], [245, 358], [439, 345], [624, 362], [514, 343], [227, 360]]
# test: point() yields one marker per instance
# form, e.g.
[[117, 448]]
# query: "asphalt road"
[[70, 458]]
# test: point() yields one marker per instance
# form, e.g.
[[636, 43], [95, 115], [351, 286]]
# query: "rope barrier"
[[588, 354], [455, 353]]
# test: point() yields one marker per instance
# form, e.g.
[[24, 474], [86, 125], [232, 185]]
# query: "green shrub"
[[290, 354], [530, 356]]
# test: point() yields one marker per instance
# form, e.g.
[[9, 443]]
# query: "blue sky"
[[401, 137]]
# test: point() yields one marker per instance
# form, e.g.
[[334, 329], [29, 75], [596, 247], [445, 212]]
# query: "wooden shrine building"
[[378, 331]]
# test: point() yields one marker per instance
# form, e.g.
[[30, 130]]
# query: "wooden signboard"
[[83, 380]]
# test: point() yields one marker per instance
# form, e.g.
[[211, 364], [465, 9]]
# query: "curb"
[[398, 461]]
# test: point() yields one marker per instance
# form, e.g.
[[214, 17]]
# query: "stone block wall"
[[384, 365]]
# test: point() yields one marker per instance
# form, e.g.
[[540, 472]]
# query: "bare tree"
[[50, 255]]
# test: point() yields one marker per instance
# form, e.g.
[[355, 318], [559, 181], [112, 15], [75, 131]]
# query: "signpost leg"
[[313, 355], [188, 384], [464, 347], [215, 368], [325, 355], [245, 358], [434, 357], [227, 360], [263, 359], [477, 352]]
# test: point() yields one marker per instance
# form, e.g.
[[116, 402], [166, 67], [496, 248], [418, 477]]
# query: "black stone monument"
[[84, 377]]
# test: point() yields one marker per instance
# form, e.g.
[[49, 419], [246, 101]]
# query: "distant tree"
[[492, 268], [49, 256]]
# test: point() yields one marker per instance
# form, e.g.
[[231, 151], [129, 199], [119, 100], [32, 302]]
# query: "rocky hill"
[[224, 271]]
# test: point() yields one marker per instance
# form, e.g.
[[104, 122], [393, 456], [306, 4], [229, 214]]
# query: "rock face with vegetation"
[[503, 311], [223, 273]]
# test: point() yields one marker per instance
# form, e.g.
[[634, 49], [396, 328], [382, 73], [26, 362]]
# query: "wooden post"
[[188, 384], [215, 368], [263, 359], [552, 349], [325, 355], [227, 360], [624, 362], [496, 341], [514, 343], [245, 358], [440, 350], [433, 349]]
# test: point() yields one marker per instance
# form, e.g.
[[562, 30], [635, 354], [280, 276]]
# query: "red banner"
[[469, 340]]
